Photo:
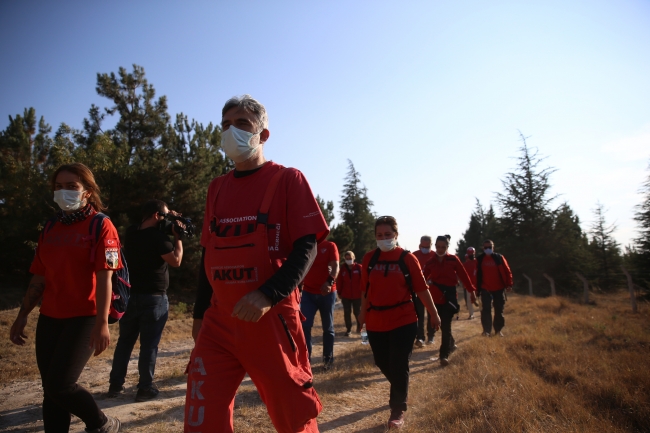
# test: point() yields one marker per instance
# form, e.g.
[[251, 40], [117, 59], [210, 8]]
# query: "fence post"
[[530, 285], [585, 284], [552, 281], [630, 286]]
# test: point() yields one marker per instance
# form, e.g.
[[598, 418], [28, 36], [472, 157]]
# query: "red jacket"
[[423, 258], [348, 282], [493, 276], [470, 268], [447, 273]]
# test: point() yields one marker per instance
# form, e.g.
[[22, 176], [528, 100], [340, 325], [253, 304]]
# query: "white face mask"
[[349, 262], [425, 250], [237, 144], [488, 251], [68, 199], [387, 244]]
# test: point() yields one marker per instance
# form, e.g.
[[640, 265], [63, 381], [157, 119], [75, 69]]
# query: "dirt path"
[[360, 408]]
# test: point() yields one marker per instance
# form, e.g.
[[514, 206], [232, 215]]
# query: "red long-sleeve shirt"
[[495, 277], [470, 267], [348, 282], [446, 272]]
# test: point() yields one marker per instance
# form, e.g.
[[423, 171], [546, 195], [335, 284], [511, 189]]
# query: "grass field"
[[562, 367]]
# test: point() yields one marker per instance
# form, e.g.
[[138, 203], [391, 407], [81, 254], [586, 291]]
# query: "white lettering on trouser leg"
[[196, 390], [198, 367], [199, 418]]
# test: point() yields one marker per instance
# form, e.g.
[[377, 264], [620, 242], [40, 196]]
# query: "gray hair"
[[425, 238], [250, 104]]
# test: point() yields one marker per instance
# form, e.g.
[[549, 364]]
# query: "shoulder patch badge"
[[112, 257]]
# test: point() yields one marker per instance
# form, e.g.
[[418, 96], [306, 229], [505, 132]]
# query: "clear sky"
[[426, 98]]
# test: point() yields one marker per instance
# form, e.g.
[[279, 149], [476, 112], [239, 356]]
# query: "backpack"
[[120, 279], [374, 260], [479, 269]]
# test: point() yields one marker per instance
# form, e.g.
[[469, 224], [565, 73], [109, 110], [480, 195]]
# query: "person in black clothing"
[[148, 252]]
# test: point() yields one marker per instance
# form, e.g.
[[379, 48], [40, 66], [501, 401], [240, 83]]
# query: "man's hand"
[[509, 289], [325, 289], [252, 306], [196, 327], [17, 333], [361, 319], [435, 321], [100, 337]]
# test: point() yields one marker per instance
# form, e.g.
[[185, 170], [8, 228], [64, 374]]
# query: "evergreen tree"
[[642, 242], [327, 209], [482, 226], [605, 250], [343, 237], [356, 213], [525, 219], [24, 189], [569, 251]]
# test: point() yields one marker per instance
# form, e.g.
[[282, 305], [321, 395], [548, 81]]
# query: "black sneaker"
[[145, 394], [347, 333], [453, 349], [112, 425], [114, 391]]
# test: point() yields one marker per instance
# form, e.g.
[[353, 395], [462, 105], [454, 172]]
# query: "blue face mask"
[[488, 251], [425, 250], [237, 144]]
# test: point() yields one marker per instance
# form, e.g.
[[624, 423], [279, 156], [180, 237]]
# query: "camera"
[[168, 224]]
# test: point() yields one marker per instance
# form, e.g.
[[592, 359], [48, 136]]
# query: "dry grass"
[[563, 367], [19, 363]]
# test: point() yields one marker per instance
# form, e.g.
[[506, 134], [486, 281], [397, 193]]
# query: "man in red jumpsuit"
[[261, 227]]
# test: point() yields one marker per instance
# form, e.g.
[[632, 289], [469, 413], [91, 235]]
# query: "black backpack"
[[498, 260], [120, 279], [374, 260]]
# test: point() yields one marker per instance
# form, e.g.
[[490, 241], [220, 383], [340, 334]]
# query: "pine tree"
[[569, 252], [25, 195], [642, 242], [482, 226], [356, 213], [343, 237], [605, 249], [526, 219], [327, 209]]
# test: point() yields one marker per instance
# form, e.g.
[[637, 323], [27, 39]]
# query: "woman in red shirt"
[[75, 289], [442, 273], [388, 311], [348, 284]]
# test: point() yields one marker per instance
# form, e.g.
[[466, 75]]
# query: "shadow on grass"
[[351, 419]]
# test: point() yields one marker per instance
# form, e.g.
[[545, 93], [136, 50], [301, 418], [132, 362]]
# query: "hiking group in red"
[[266, 270]]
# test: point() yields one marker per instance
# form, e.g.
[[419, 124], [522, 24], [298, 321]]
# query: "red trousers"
[[272, 351]]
